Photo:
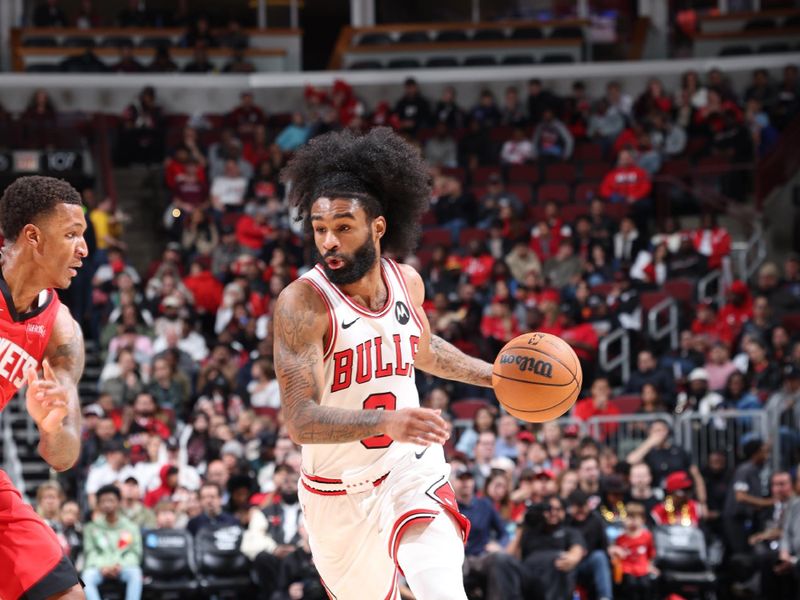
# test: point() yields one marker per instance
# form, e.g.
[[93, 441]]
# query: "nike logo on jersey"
[[346, 325], [419, 454]]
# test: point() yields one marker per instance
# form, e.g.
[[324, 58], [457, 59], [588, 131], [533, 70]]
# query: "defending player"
[[42, 221], [348, 335]]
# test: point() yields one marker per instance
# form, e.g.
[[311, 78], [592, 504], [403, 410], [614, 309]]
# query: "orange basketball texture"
[[537, 377]]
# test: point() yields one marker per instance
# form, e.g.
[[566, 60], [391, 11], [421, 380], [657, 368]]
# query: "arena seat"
[[588, 152], [681, 289], [650, 299], [627, 404], [555, 59], [403, 63], [523, 174], [480, 60], [436, 237], [79, 42], [167, 561], [441, 62], [557, 192], [466, 408], [40, 42], [518, 59], [527, 33], [220, 564], [266, 411], [560, 172], [117, 41], [480, 175], [791, 321], [584, 192], [570, 212], [413, 37], [374, 39], [451, 35], [488, 35], [566, 32], [155, 42], [774, 48], [521, 191], [756, 24], [738, 50], [595, 171], [366, 65], [469, 234]]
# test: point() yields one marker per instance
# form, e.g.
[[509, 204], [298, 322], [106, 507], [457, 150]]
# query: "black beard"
[[355, 266]]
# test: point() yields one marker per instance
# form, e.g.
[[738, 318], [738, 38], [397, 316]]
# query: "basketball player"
[[348, 336], [42, 221]]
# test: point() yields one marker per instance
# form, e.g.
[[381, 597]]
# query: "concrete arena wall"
[[282, 92]]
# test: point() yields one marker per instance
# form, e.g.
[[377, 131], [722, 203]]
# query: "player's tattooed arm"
[[65, 355], [437, 356], [300, 322]]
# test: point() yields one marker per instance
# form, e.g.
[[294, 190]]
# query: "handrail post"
[[670, 328], [622, 360]]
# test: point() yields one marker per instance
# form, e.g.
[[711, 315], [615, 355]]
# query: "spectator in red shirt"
[[190, 188], [598, 405], [205, 288], [477, 264], [653, 99], [252, 231], [738, 310], [246, 116], [708, 325], [169, 481], [712, 241], [545, 241], [635, 550], [499, 325], [627, 182]]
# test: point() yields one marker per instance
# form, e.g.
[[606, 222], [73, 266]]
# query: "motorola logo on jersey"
[[401, 313], [373, 359]]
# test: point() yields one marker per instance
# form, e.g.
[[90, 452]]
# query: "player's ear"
[[379, 226], [32, 235]]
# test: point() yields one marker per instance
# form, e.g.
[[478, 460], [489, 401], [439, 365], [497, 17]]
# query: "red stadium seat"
[[436, 237], [424, 256], [588, 152], [523, 173], [266, 411], [603, 289], [596, 171], [501, 133], [678, 168], [627, 404], [466, 408], [560, 172], [480, 175], [680, 289], [650, 299], [457, 172], [428, 219], [584, 192], [617, 211], [230, 219], [570, 212], [535, 212], [469, 234], [521, 191], [557, 192], [791, 322]]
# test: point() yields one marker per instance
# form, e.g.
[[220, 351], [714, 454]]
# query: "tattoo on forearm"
[[298, 365], [449, 362]]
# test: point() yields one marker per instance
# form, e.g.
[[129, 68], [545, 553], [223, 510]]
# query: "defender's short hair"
[[30, 197]]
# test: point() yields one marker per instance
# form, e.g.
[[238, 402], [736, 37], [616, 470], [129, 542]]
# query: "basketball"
[[537, 377]]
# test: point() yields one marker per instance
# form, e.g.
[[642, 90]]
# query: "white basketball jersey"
[[368, 364]]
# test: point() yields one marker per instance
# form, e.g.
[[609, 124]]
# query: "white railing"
[[749, 255], [723, 431], [624, 433], [11, 463], [658, 331], [621, 360], [713, 281]]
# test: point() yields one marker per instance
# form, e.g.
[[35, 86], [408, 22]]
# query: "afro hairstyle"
[[385, 173], [30, 197]]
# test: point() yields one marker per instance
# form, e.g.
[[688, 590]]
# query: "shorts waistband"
[[325, 486]]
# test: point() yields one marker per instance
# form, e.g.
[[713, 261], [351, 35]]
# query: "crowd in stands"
[[186, 431]]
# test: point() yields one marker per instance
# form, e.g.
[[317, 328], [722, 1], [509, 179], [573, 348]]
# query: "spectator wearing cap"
[[738, 310], [114, 469], [698, 397], [132, 507], [112, 548], [594, 568], [550, 552], [678, 507], [599, 404], [648, 371], [413, 109], [212, 515], [746, 496], [664, 457]]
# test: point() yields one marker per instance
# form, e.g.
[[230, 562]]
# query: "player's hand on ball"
[[421, 426], [46, 399]]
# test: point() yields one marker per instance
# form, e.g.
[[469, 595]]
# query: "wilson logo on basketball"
[[525, 363]]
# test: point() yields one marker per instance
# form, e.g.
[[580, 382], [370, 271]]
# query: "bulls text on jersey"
[[372, 360], [14, 362]]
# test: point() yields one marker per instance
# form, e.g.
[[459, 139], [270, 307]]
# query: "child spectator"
[[635, 550]]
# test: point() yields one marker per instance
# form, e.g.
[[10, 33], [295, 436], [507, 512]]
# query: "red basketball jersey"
[[23, 338]]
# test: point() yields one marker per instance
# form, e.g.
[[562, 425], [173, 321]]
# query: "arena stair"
[[26, 438]]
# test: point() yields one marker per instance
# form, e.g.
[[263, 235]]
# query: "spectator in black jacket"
[[299, 578], [413, 108], [649, 372], [595, 567], [746, 497], [212, 515]]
